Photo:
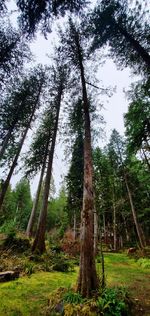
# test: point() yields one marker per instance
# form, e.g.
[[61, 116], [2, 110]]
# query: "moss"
[[29, 295]]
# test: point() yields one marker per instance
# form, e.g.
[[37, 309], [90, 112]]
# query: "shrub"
[[62, 265], [113, 302], [16, 244], [144, 263], [73, 297]]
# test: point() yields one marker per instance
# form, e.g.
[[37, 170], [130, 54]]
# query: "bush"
[[73, 297], [144, 263], [62, 264], [113, 302], [16, 244]]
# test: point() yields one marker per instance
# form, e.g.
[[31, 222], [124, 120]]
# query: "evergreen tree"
[[33, 102], [14, 51], [35, 13], [23, 202], [125, 29], [137, 121], [74, 52], [74, 179], [59, 81], [36, 159]]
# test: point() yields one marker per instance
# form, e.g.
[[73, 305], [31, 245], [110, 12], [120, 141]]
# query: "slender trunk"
[[125, 227], [121, 241], [133, 212], [114, 227], [87, 281], [145, 156], [95, 232], [74, 225], [7, 181], [103, 283], [135, 44], [29, 230], [104, 227], [39, 242]]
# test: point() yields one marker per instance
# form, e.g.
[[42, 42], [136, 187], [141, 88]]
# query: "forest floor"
[[27, 296]]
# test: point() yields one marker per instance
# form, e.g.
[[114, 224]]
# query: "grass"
[[28, 295]]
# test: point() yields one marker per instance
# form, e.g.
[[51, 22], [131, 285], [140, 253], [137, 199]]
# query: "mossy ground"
[[27, 296]]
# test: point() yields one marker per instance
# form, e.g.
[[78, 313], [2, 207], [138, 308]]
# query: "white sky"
[[114, 107]]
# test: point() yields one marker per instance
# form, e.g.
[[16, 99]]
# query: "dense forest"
[[102, 208]]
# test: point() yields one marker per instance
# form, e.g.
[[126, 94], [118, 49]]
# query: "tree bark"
[[87, 281], [39, 242], [29, 230], [74, 225], [114, 226], [133, 212], [95, 231]]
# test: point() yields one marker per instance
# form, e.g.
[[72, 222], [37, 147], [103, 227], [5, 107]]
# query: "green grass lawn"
[[28, 295]]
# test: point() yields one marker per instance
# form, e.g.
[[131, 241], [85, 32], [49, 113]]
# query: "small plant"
[[112, 302], [29, 267], [144, 263], [73, 297]]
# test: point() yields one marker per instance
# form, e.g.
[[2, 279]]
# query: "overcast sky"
[[114, 107]]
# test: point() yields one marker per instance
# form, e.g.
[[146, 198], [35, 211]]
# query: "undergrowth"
[[111, 302]]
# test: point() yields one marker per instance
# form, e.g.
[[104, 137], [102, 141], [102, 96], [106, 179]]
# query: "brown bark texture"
[[134, 213], [87, 281], [39, 242], [29, 230]]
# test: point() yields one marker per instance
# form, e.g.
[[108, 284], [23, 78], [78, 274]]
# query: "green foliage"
[[23, 201], [15, 243], [62, 264], [144, 263], [72, 297], [35, 295], [137, 118], [42, 13], [29, 267], [9, 228], [112, 302], [125, 29], [57, 215]]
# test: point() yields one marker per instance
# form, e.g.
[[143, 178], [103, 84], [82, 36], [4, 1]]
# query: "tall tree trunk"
[[87, 281], [133, 212], [135, 44], [95, 231], [7, 181], [114, 226], [74, 225], [39, 242], [29, 230], [125, 227], [104, 227]]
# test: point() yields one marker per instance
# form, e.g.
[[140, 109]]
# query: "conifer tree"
[[125, 29], [32, 102], [73, 50], [58, 83]]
